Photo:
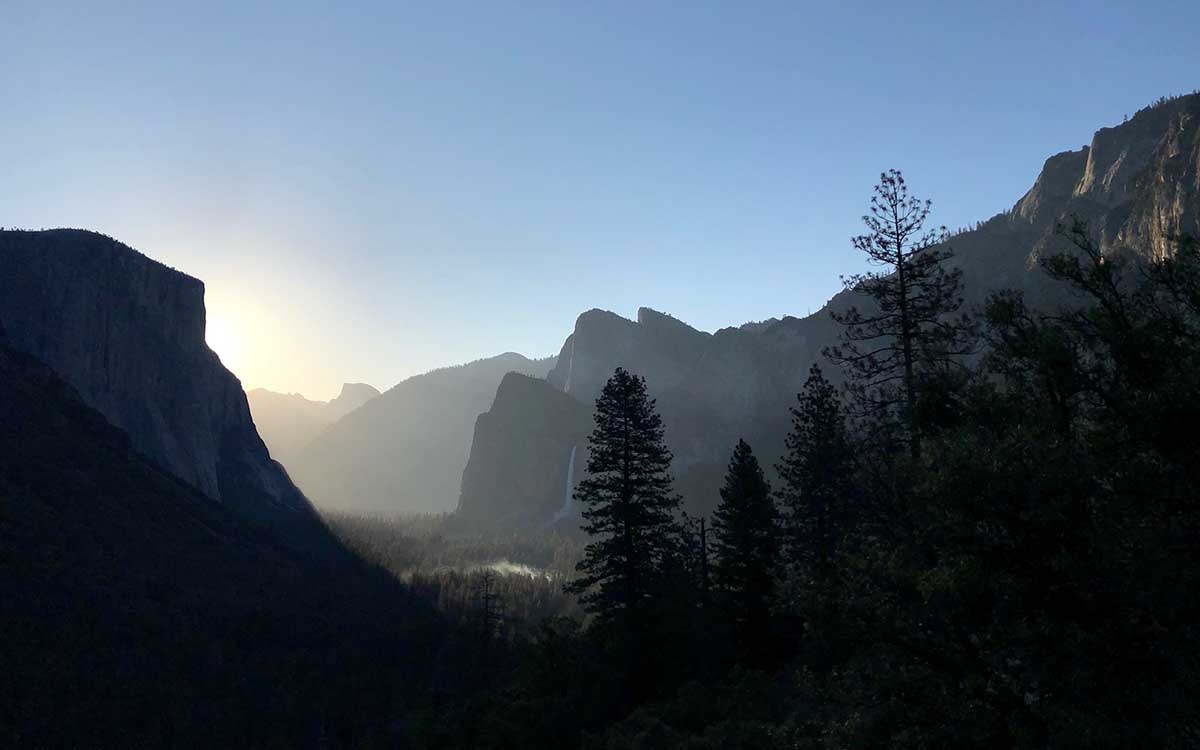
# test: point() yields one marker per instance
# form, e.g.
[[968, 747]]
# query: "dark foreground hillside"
[[138, 613]]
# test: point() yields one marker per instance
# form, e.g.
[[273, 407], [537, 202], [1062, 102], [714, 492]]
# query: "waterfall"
[[570, 372], [565, 510]]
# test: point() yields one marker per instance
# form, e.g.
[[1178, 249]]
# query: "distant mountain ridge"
[[1137, 185], [289, 422], [128, 333], [405, 450]]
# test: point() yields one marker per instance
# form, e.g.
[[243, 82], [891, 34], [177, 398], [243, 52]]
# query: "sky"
[[373, 190]]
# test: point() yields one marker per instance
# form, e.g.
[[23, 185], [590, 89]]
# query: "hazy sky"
[[373, 190]]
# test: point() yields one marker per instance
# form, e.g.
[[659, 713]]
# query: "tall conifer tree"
[[629, 506], [913, 323], [816, 473], [745, 539]]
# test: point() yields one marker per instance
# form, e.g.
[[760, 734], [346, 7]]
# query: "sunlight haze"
[[399, 187]]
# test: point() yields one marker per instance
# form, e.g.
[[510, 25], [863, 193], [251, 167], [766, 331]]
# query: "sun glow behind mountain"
[[224, 338]]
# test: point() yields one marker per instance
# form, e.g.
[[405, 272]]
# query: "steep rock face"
[[1167, 193], [405, 450], [288, 422], [1137, 185], [521, 454], [664, 347], [128, 333], [1054, 186]]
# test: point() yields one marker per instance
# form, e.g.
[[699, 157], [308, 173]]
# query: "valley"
[[669, 416]]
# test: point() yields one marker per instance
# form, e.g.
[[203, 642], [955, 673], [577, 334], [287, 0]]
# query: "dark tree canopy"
[[912, 323], [629, 507], [816, 472], [746, 543]]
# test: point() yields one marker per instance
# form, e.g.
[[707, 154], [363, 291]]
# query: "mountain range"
[[127, 333], [504, 447], [164, 582], [405, 450], [288, 422], [1136, 185]]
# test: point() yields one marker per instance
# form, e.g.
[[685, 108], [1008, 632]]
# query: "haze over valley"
[[543, 376], [406, 452]]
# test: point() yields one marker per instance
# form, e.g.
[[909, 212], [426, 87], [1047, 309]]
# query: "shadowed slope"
[[137, 612]]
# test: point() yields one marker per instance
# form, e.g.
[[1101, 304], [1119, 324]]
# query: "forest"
[[984, 534], [577, 376]]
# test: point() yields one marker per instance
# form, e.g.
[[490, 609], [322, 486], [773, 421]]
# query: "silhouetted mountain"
[[1137, 184], [352, 396], [128, 333], [136, 612], [527, 449], [405, 450], [288, 422]]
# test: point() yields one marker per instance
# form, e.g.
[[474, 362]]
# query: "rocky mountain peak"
[[1112, 169], [352, 396], [1056, 184], [1137, 185]]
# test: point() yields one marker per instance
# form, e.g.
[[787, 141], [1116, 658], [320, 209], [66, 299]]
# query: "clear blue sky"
[[372, 191]]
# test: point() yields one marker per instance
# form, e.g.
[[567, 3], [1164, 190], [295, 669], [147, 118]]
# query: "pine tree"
[[628, 504], [745, 540], [914, 322], [816, 473], [489, 608]]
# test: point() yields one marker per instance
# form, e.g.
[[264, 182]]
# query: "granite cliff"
[[525, 451], [127, 333]]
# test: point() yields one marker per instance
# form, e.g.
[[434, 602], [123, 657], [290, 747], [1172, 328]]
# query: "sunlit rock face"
[[1137, 184], [128, 333]]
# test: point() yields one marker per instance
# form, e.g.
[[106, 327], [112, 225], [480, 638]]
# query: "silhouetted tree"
[[913, 321], [816, 473], [746, 541], [705, 578], [489, 608], [1039, 599], [628, 506]]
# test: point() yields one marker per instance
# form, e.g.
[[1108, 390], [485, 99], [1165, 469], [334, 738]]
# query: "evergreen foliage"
[[1031, 584], [815, 490], [1027, 579], [746, 543], [628, 505], [913, 323]]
